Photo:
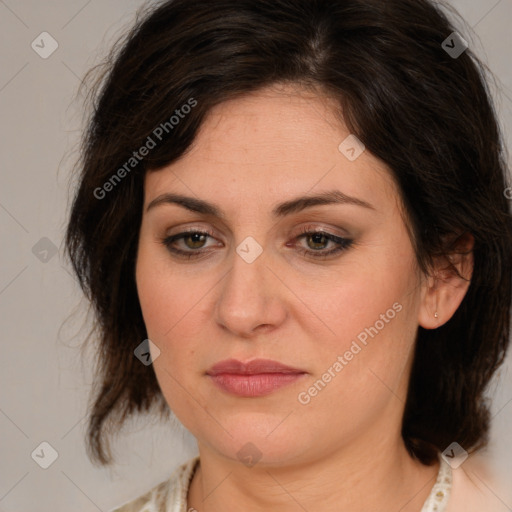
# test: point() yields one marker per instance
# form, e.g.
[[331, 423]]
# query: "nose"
[[251, 299]]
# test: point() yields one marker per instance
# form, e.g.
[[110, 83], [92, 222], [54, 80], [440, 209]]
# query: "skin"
[[343, 450]]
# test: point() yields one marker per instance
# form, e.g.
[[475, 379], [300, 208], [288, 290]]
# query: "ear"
[[444, 290]]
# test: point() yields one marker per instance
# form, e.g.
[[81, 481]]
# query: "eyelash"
[[343, 243]]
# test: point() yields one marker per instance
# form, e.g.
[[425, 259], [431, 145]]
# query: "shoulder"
[[168, 496], [153, 501], [476, 488]]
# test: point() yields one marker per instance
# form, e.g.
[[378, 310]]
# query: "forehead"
[[278, 141], [267, 125]]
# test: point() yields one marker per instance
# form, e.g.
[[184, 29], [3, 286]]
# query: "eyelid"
[[191, 229], [316, 227], [329, 230]]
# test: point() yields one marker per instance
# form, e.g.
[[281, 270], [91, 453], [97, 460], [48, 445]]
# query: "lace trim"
[[440, 493]]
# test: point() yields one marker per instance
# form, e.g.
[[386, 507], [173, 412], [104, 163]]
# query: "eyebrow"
[[288, 207]]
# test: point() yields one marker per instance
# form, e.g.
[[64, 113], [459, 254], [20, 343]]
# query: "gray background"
[[45, 379]]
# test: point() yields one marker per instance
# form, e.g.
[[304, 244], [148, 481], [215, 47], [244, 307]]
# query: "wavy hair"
[[426, 114]]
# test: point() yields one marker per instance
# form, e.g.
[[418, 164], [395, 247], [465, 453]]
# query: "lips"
[[251, 368], [253, 379]]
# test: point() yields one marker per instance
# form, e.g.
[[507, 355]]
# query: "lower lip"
[[260, 384]]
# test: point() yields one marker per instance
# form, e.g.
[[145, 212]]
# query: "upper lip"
[[251, 368]]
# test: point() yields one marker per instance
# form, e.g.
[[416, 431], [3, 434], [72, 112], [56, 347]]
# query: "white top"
[[171, 495]]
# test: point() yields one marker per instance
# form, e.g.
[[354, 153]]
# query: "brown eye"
[[197, 240], [317, 242], [192, 243]]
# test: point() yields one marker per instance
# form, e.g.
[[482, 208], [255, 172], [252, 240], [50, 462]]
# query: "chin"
[[256, 440]]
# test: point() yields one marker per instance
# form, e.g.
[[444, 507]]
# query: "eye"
[[193, 239], [318, 240], [193, 243]]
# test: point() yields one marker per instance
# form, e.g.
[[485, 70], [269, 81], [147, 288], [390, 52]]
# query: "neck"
[[364, 476]]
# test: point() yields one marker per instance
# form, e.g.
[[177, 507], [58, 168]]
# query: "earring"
[[436, 315]]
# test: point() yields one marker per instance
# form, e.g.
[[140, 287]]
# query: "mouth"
[[256, 378]]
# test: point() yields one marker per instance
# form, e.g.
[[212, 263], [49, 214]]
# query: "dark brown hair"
[[426, 114]]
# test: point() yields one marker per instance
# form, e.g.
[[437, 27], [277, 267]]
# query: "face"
[[327, 287]]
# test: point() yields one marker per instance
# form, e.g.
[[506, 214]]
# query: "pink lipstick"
[[256, 378]]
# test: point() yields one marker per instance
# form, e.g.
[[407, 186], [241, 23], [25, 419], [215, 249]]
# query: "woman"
[[291, 222]]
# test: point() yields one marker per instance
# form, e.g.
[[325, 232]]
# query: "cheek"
[[167, 305], [173, 307], [371, 318], [365, 295], [156, 302], [165, 295]]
